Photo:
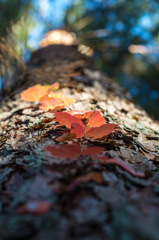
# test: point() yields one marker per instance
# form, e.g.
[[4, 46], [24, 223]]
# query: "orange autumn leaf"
[[95, 119], [51, 104], [54, 101], [34, 93], [77, 129], [47, 96], [87, 114], [55, 86], [67, 119], [67, 100], [103, 130], [50, 95]]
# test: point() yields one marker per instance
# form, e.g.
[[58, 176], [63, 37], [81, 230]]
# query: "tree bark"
[[45, 197]]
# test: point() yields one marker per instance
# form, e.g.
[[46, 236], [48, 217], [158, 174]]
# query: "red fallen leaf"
[[93, 151], [77, 129], [96, 119], [102, 158], [87, 114], [82, 114], [66, 151], [34, 93], [119, 162], [88, 129], [67, 119], [99, 132], [70, 151], [77, 116], [76, 113], [35, 207], [66, 137]]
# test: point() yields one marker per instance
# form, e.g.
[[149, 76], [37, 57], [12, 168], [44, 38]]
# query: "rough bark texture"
[[78, 199]]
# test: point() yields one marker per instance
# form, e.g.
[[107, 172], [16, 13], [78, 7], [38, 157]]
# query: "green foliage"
[[14, 30], [10, 13], [110, 27]]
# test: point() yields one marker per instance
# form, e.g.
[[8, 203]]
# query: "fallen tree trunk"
[[81, 197]]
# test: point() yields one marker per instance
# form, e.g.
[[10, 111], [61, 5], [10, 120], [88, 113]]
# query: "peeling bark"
[[44, 197]]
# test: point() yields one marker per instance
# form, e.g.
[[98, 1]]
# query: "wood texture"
[[44, 197]]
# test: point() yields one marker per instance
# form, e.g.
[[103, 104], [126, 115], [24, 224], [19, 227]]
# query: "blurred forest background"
[[123, 34]]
